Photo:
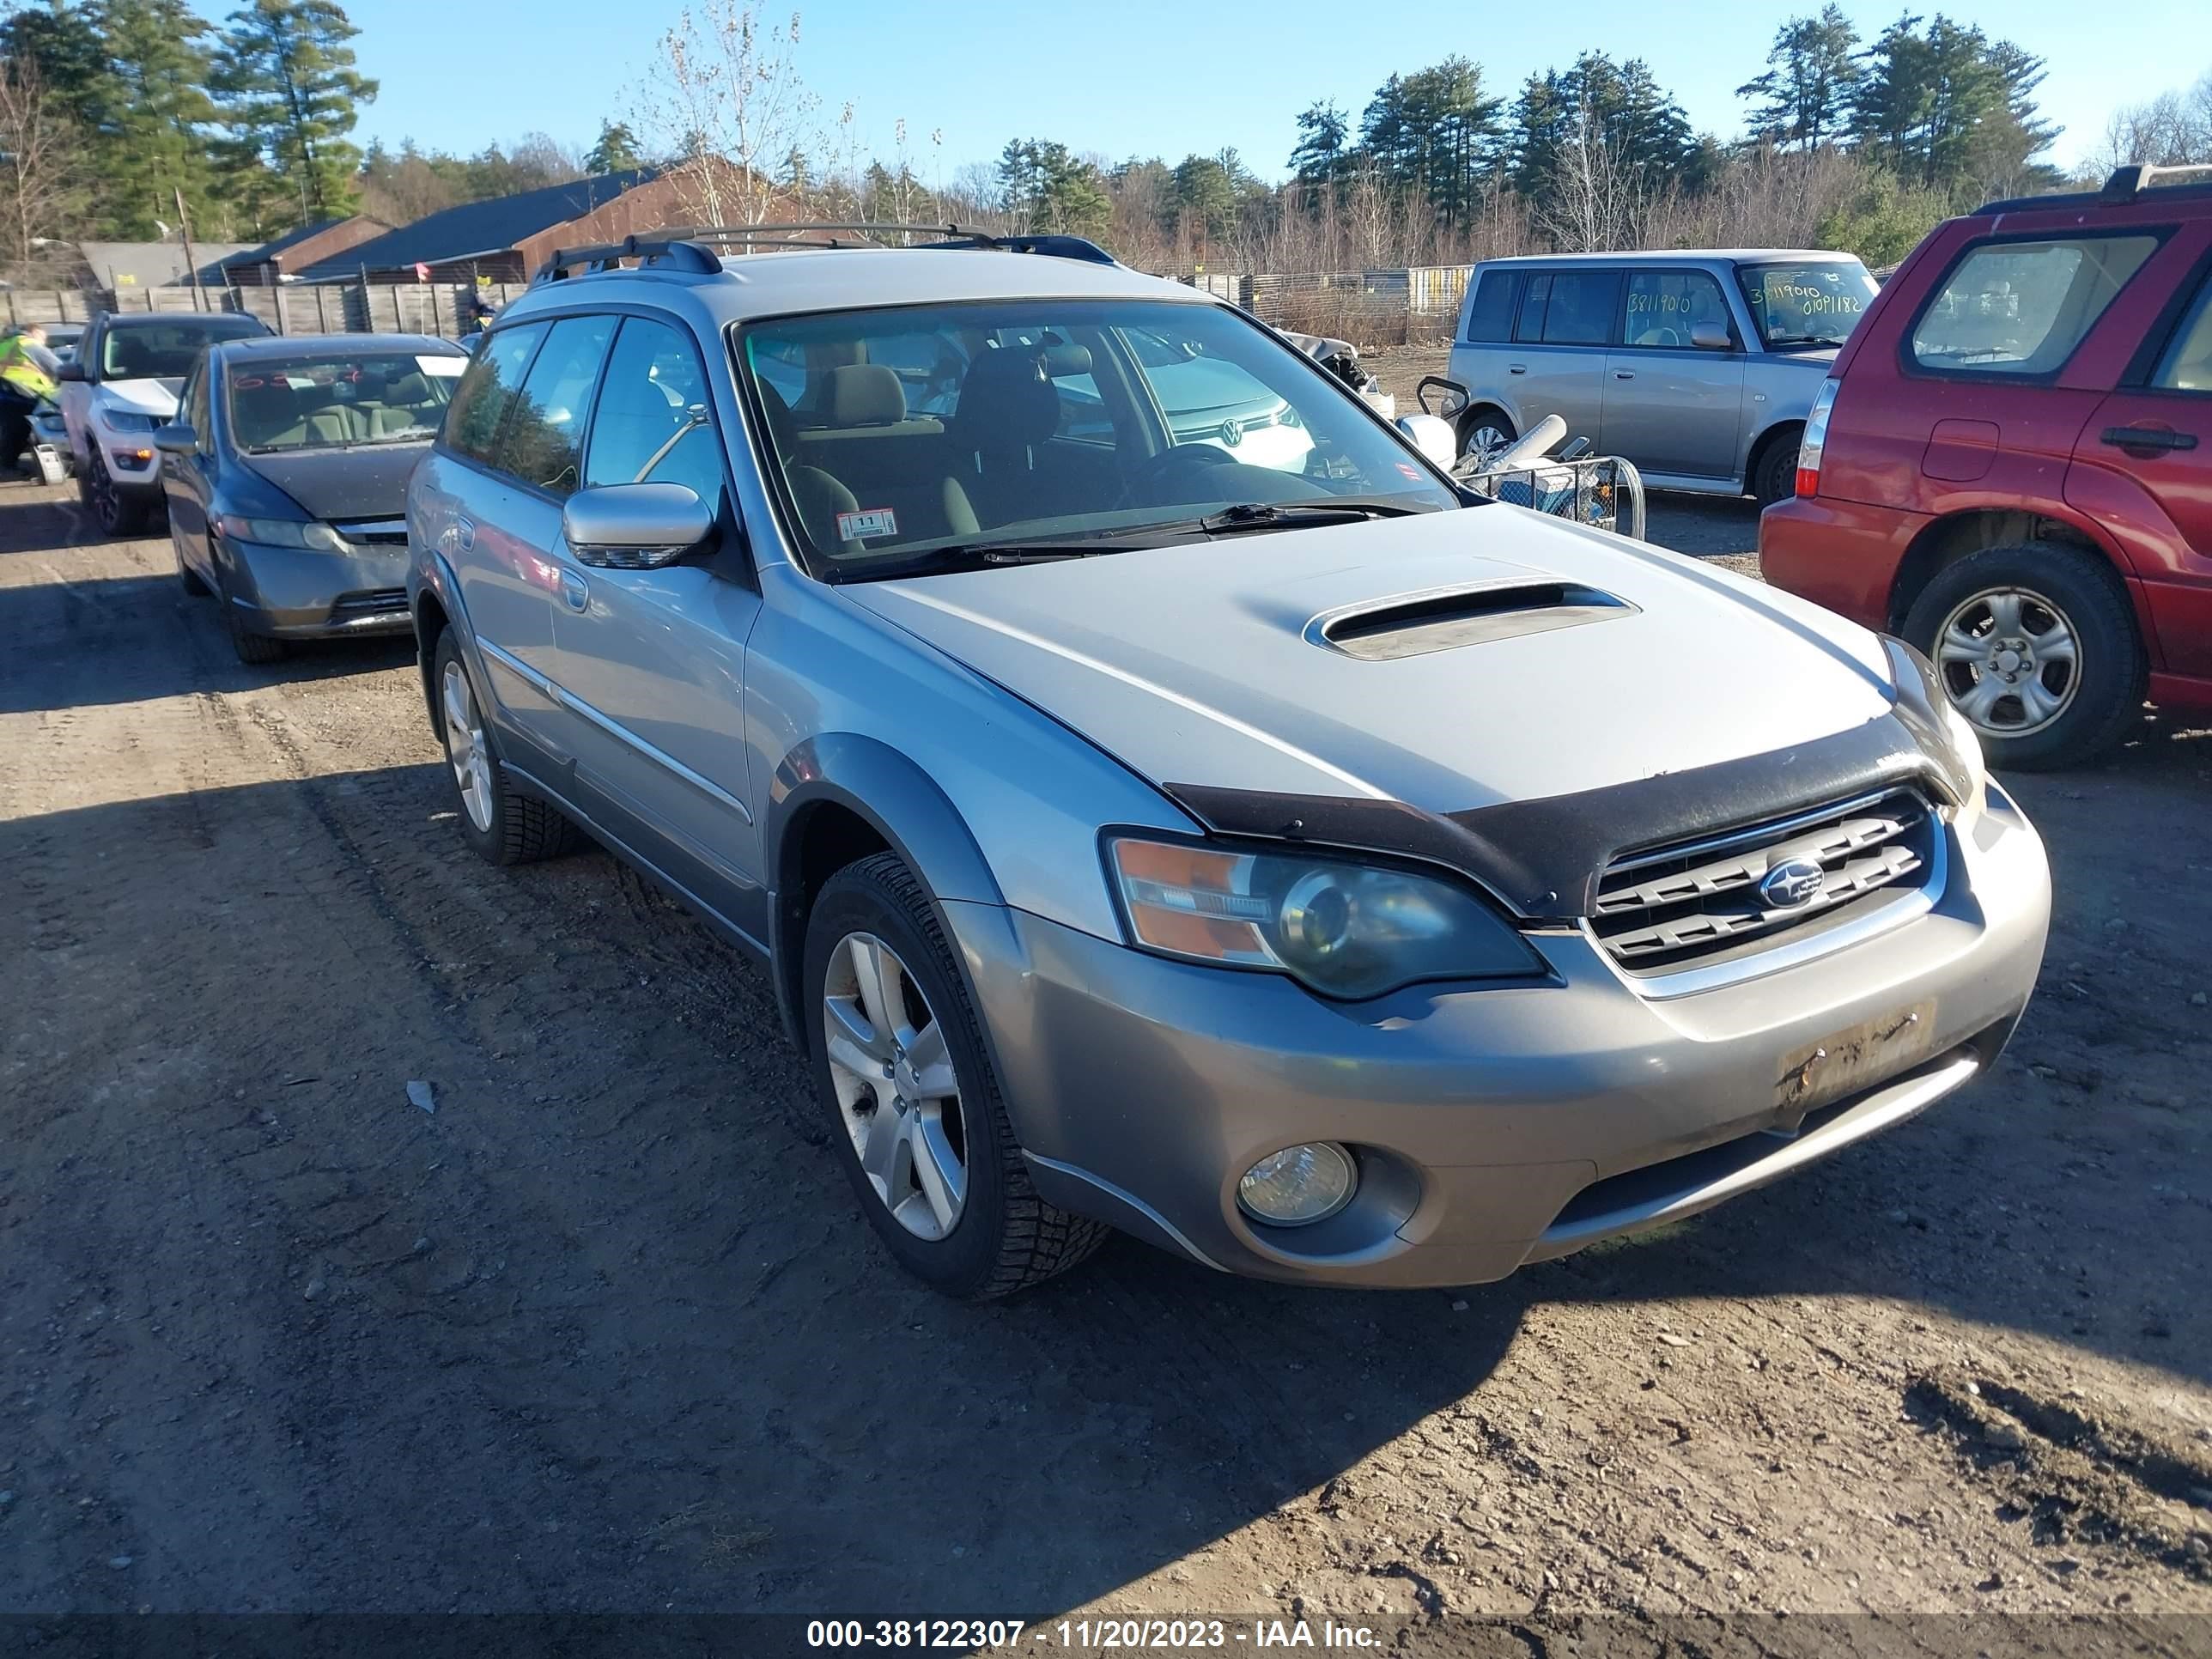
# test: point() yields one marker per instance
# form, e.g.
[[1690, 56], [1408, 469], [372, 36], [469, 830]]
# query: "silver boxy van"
[[1263, 848], [1699, 367]]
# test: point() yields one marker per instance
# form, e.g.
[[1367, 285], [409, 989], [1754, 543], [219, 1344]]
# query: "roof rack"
[[693, 249], [2126, 184]]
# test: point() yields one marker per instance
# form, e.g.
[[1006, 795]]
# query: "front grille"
[[1679, 906], [375, 602]]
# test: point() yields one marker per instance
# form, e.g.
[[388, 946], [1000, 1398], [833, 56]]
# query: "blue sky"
[[1147, 76]]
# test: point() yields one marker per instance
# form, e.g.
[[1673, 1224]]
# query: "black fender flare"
[[903, 805]]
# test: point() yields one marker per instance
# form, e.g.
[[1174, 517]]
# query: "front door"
[[1669, 406], [2148, 450], [651, 662], [188, 480]]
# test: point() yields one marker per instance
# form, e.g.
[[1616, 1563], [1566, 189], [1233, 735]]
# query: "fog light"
[[133, 457], [1299, 1185]]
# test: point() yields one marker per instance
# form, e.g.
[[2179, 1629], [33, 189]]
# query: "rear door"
[[651, 662], [2146, 454], [1557, 365], [1670, 407]]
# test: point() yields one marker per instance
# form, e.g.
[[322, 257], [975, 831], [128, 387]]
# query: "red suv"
[[2010, 464]]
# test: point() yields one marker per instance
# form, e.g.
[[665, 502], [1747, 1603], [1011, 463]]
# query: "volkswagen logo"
[[1233, 433], [1792, 882]]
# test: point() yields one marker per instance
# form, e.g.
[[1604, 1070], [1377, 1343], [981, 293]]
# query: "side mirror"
[[73, 370], [1433, 437], [1710, 336], [635, 527], [176, 438]]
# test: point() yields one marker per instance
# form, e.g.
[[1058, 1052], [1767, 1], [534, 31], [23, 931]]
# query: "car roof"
[[1678, 256], [756, 285], [191, 318], [264, 347]]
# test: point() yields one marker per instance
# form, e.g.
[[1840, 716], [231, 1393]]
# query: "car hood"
[[1204, 664], [155, 398], [369, 482]]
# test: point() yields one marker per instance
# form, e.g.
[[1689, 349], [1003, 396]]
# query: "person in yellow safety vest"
[[27, 379]]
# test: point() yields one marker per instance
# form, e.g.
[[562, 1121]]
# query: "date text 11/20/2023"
[[1156, 1635]]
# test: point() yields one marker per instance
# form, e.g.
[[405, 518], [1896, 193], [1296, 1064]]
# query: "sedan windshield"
[[325, 402], [1807, 304], [164, 351], [935, 437]]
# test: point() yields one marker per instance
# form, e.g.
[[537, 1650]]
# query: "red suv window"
[[2020, 307]]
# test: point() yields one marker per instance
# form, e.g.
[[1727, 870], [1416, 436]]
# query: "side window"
[[1582, 306], [191, 408], [655, 423], [1530, 324], [488, 391], [2187, 365], [2022, 308], [1490, 315], [545, 438], [1664, 306]]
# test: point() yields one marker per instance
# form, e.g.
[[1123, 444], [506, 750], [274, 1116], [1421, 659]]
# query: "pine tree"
[[1321, 156], [1805, 94], [615, 151], [154, 143], [290, 92]]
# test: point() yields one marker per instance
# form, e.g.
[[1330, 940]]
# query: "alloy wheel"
[[897, 1089], [1487, 440], [465, 748], [106, 505], [2010, 661]]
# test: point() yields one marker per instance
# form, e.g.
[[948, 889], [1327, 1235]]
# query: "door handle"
[[465, 532], [575, 590], [1624, 373], [2150, 438], [1516, 369]]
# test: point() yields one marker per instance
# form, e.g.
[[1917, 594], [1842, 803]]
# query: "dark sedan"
[[286, 473]]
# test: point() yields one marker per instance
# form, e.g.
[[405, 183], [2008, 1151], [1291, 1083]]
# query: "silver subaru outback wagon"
[[1262, 848]]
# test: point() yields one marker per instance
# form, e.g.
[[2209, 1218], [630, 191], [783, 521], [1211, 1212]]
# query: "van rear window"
[[1489, 313], [2022, 308]]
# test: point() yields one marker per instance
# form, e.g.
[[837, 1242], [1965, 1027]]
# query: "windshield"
[[915, 439], [164, 351], [321, 403], [1807, 304]]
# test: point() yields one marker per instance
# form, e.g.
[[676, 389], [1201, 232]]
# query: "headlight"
[[283, 532], [1347, 930], [127, 420], [1939, 724]]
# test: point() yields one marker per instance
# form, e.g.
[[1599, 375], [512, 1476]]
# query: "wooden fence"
[[442, 308]]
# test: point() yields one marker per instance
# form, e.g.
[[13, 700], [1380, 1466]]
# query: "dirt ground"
[[605, 1333]]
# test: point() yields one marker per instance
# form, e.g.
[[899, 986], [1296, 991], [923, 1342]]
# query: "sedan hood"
[[1578, 659], [344, 484]]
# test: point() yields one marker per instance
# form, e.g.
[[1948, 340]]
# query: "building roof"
[[268, 250], [479, 229], [155, 264]]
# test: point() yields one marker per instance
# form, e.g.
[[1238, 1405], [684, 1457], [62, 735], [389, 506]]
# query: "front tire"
[[2037, 647], [194, 584], [502, 823], [900, 1065], [117, 512]]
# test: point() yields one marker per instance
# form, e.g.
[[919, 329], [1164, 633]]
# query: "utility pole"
[[191, 265]]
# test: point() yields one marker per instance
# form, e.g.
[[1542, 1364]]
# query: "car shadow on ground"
[[47, 619], [610, 1305]]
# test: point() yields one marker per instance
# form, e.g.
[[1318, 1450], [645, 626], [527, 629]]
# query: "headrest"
[[1005, 403], [782, 425], [1062, 361], [822, 355], [866, 394], [411, 387]]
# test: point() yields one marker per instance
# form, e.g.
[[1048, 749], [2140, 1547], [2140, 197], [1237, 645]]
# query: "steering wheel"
[[1178, 464]]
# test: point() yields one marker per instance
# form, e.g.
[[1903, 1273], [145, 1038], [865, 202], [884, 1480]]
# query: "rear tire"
[[2076, 682], [1001, 1235], [1775, 478], [500, 823], [1485, 426]]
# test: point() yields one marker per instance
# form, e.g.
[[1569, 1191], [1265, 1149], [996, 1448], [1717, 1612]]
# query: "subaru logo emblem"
[[1792, 882], [1233, 433]]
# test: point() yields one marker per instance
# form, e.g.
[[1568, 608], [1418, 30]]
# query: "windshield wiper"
[[1773, 340], [1268, 515], [976, 556]]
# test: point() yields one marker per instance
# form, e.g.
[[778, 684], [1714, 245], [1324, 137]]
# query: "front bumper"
[[1492, 1127], [293, 593]]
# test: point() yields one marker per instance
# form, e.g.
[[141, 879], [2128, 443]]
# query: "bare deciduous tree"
[[1594, 198], [39, 186], [729, 109]]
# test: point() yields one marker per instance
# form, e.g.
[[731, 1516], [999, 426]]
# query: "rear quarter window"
[[2022, 308], [1489, 313]]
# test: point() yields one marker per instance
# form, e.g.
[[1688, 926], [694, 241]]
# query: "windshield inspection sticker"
[[868, 521]]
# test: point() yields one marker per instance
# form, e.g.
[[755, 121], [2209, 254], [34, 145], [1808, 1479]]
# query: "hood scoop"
[[1414, 624]]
